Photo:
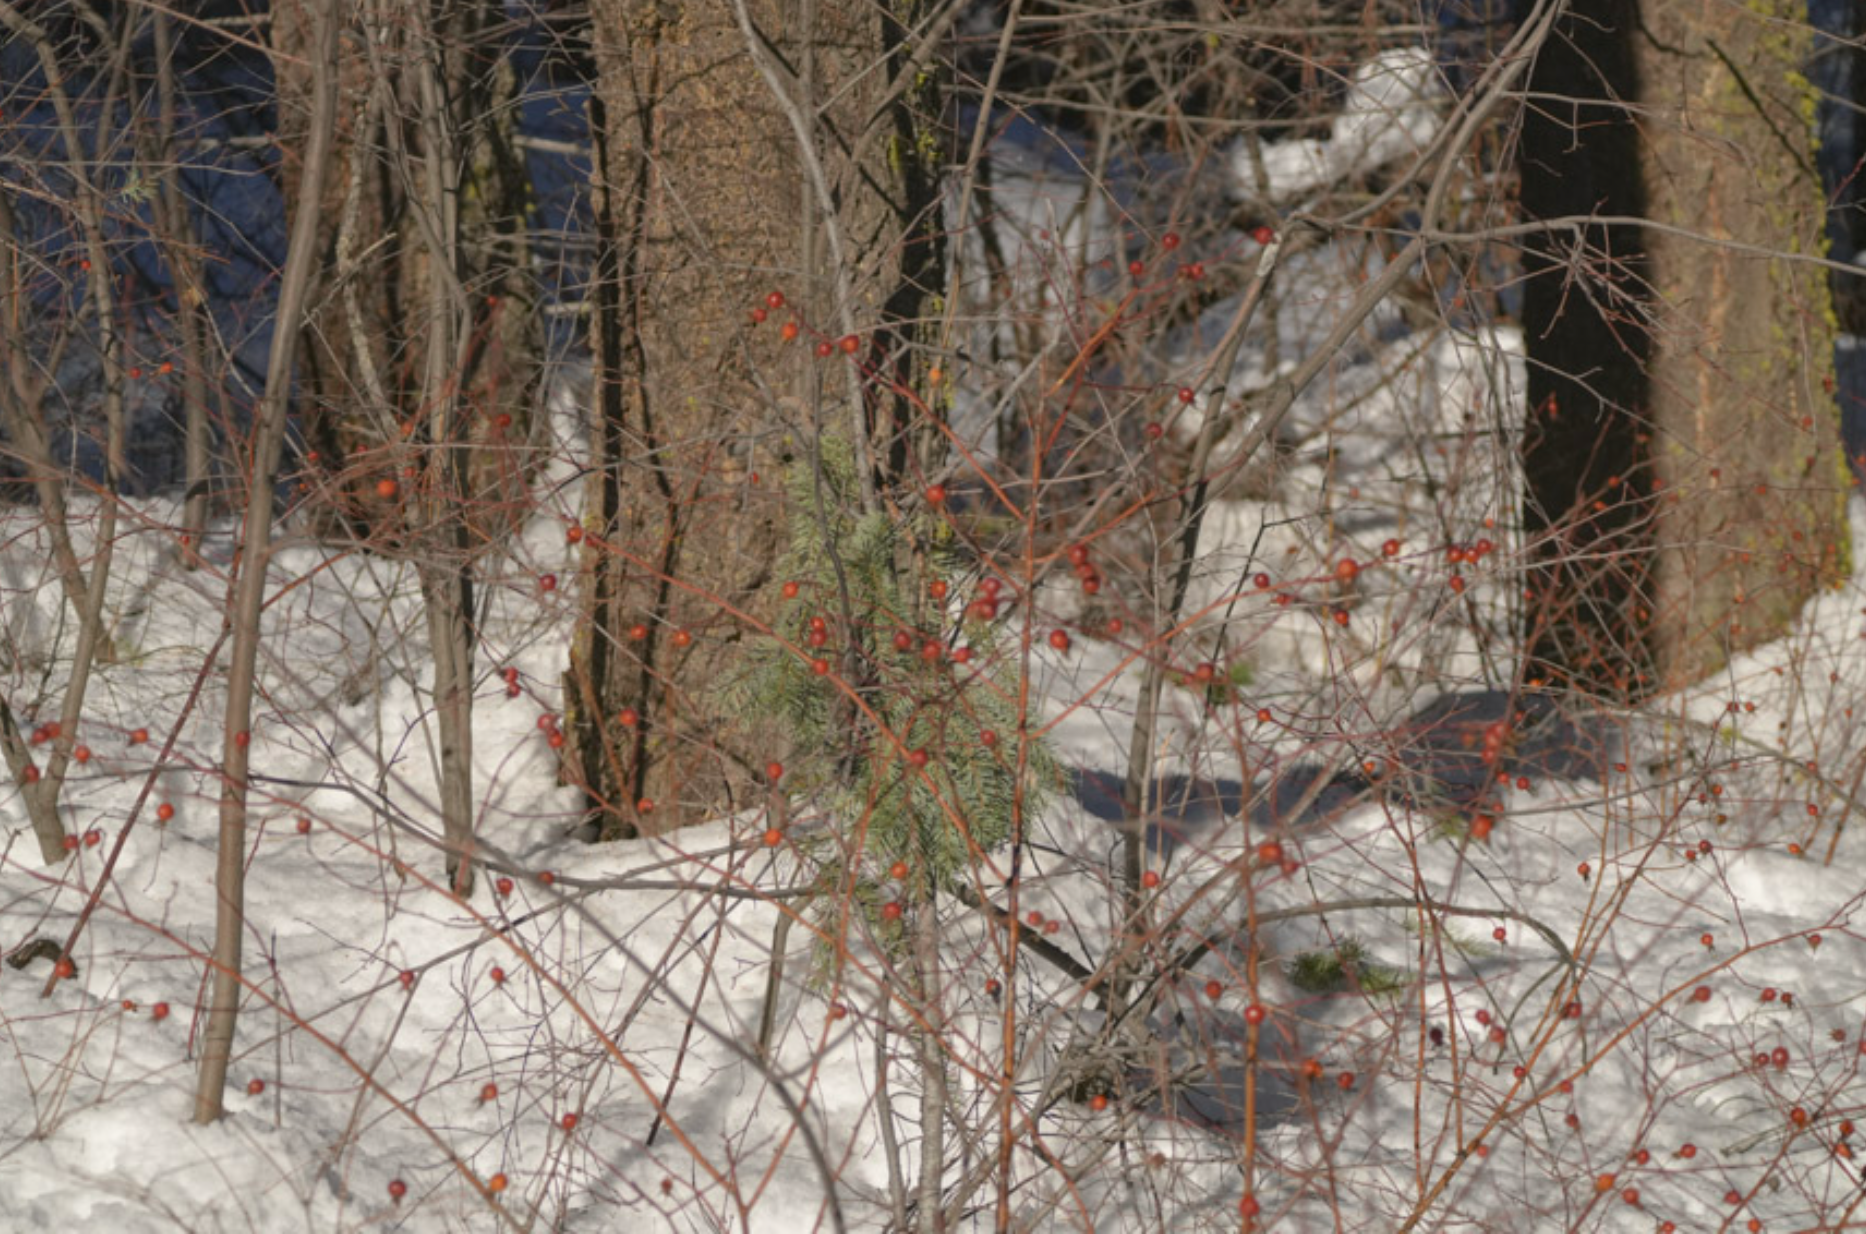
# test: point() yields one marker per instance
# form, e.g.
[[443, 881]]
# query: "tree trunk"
[[699, 172], [424, 341], [1682, 455]]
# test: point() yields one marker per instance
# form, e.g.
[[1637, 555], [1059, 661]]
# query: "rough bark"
[[1686, 492], [1752, 517], [705, 203]]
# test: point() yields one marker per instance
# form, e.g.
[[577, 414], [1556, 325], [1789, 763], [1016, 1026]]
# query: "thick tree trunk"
[[1752, 516], [706, 203], [1686, 490]]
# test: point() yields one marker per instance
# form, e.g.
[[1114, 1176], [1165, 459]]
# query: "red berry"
[[774, 771], [497, 975], [1187, 394], [918, 757], [568, 1122], [1150, 879], [789, 331], [1214, 989], [936, 494], [573, 534], [255, 1086], [628, 717], [1098, 1102], [898, 871], [1701, 995], [164, 812], [825, 349], [775, 300], [1154, 431], [83, 755], [1346, 569], [1059, 639], [497, 1183], [1170, 241], [65, 969], [638, 632], [1390, 549], [682, 638], [790, 591], [758, 315], [386, 489], [891, 911], [850, 344], [159, 1011], [407, 978], [93, 838], [397, 1189], [1254, 1014], [304, 826], [1262, 234], [1270, 853], [645, 806], [488, 1092], [1345, 1079], [546, 877], [773, 837]]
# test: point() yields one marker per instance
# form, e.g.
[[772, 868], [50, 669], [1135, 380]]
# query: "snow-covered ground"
[[1636, 1000]]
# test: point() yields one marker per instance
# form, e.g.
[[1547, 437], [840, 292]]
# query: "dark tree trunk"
[[1684, 475]]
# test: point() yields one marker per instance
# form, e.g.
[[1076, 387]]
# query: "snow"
[[1392, 111], [635, 980]]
